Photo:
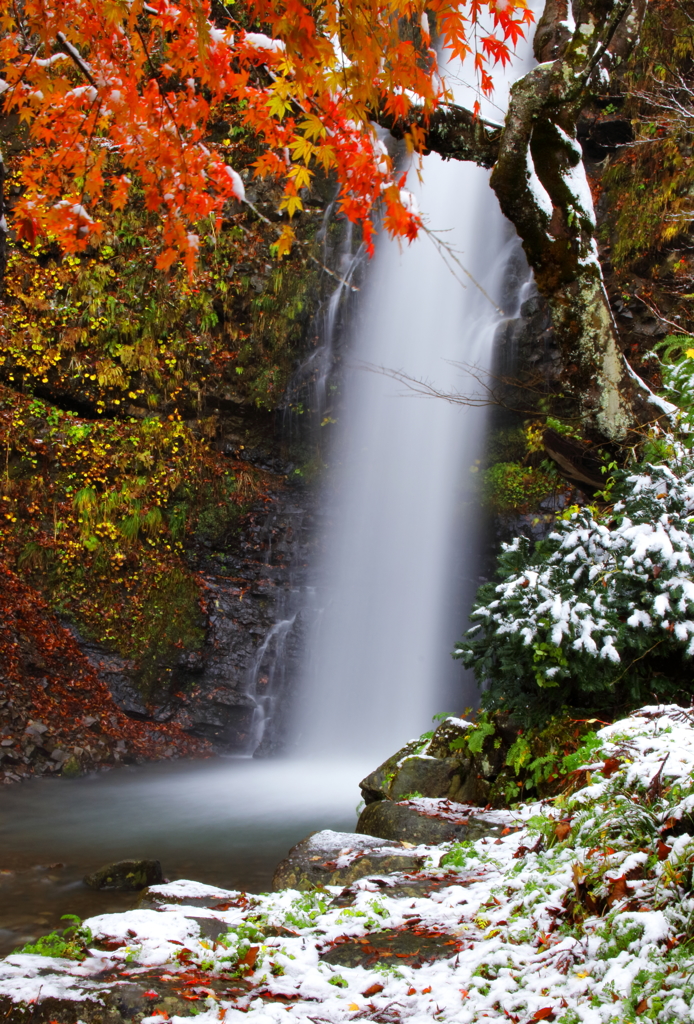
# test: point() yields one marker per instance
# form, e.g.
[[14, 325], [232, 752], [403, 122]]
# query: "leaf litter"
[[582, 912]]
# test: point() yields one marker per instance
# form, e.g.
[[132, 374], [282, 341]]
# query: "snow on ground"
[[581, 912]]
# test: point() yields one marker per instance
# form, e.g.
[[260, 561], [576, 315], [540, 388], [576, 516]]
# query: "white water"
[[401, 553]]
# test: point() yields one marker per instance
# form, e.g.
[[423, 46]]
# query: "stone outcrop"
[[438, 767], [430, 790]]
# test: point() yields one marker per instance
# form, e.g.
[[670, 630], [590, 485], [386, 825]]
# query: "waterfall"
[[400, 552]]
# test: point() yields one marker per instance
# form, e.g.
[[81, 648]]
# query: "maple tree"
[[121, 94]]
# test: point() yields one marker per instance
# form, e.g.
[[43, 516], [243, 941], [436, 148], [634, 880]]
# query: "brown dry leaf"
[[562, 830], [373, 990], [618, 890]]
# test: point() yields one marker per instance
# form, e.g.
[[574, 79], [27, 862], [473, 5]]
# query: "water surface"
[[227, 822]]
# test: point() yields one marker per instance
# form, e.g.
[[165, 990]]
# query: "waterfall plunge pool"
[[227, 822]]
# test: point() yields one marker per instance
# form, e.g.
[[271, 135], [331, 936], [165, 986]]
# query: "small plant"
[[458, 855], [69, 944]]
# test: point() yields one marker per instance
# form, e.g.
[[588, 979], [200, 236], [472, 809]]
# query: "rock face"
[[340, 858], [126, 875], [253, 632]]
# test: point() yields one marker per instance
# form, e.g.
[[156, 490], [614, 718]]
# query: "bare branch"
[[77, 58], [451, 131]]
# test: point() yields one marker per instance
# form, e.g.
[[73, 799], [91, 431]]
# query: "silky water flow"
[[397, 574], [401, 550]]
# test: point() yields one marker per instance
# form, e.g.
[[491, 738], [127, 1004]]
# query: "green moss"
[[512, 487]]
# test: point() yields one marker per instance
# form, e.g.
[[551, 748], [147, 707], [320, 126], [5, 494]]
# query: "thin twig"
[[654, 310], [441, 244]]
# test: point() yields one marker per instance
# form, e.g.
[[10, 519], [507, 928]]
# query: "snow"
[[237, 185], [537, 189], [575, 179], [650, 541], [259, 41], [526, 943]]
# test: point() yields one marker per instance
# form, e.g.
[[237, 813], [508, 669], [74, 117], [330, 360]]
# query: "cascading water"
[[400, 563]]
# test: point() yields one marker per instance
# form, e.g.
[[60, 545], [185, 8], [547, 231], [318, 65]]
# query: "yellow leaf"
[[291, 204], [352, 1006], [690, 353], [301, 175], [284, 242], [313, 127], [278, 106], [302, 149]]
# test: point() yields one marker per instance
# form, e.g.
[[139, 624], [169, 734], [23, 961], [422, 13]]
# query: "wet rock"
[[449, 732], [376, 785], [412, 946], [126, 875], [340, 858], [429, 822]]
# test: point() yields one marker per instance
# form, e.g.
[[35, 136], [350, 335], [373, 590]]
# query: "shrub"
[[600, 614]]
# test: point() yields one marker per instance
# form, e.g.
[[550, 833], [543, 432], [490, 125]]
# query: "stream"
[[227, 822]]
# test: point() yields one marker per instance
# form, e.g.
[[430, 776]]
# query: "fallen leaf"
[[373, 990], [546, 1013], [352, 1006], [251, 956], [425, 991], [618, 890], [663, 850], [642, 1006], [562, 830], [609, 767]]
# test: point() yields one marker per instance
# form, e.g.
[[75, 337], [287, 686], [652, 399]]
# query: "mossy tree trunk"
[[539, 179]]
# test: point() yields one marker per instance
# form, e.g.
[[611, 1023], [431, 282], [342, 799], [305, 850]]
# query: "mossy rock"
[[126, 875], [376, 785], [447, 732], [340, 858], [427, 776]]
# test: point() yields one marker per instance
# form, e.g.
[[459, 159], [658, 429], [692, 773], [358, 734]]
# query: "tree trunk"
[[539, 179]]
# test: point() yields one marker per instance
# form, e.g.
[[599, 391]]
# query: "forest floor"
[[580, 911]]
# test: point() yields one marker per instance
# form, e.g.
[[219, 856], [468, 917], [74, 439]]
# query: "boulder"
[[376, 786], [426, 776], [447, 732], [429, 822], [340, 858], [126, 875], [426, 767]]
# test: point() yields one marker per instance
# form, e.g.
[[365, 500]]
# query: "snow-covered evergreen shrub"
[[600, 615], [677, 369]]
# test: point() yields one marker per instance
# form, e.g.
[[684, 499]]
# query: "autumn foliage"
[[129, 95], [54, 710]]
